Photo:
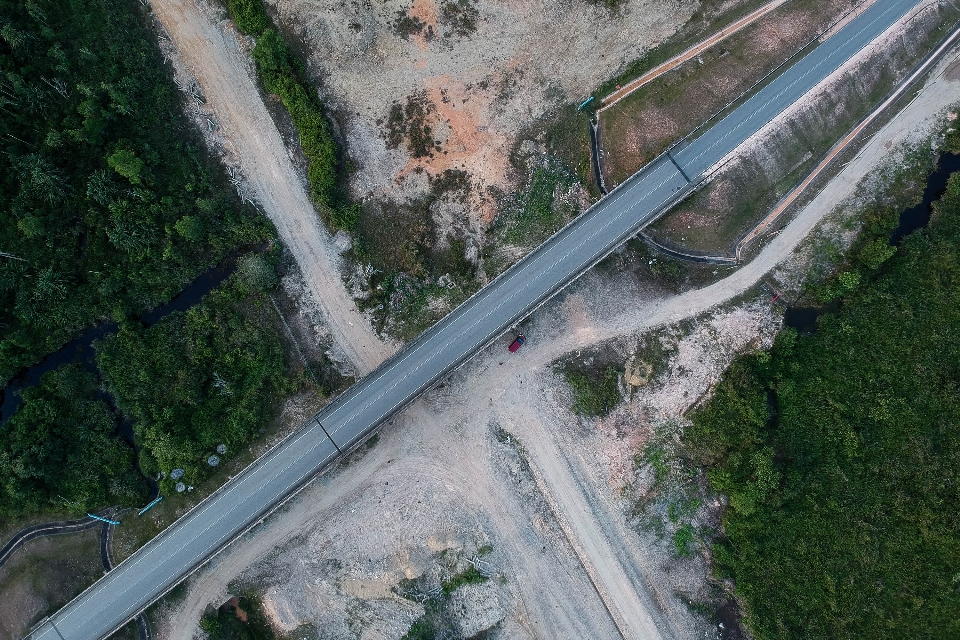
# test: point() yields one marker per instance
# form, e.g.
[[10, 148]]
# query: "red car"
[[517, 343]]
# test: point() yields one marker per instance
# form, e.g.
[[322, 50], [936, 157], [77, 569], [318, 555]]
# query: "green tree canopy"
[[63, 442], [844, 517]]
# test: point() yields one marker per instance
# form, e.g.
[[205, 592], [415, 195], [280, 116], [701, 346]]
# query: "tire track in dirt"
[[212, 54]]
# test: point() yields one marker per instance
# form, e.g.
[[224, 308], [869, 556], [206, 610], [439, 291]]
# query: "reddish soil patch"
[[467, 141], [426, 12], [233, 604]]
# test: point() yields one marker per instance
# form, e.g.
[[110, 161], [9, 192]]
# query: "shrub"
[[63, 442], [843, 513], [461, 16], [249, 16], [595, 395], [281, 76], [127, 164]]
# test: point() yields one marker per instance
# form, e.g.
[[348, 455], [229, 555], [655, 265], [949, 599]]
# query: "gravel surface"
[[209, 49], [485, 87]]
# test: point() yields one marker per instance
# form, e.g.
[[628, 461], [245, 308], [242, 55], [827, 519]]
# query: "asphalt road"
[[241, 503]]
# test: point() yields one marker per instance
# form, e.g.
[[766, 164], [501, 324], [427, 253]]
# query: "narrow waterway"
[[804, 319], [80, 349]]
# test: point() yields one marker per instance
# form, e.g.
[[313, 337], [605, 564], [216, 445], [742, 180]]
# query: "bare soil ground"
[[494, 458], [44, 575], [207, 51], [640, 126], [486, 81]]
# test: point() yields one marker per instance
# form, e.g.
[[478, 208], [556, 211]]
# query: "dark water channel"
[[80, 349], [804, 319]]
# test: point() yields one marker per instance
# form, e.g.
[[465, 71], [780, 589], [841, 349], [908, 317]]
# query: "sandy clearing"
[[449, 447], [210, 50], [595, 531]]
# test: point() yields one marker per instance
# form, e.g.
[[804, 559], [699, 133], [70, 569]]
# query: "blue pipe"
[[149, 506]]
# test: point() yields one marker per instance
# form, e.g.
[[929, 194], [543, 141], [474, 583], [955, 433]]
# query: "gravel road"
[[210, 50]]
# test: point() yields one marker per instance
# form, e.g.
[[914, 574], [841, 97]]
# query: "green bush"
[[62, 444], [224, 624], [127, 164], [281, 75], [257, 273], [249, 16], [596, 394], [197, 379]]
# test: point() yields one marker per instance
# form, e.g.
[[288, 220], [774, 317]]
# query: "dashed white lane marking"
[[241, 483], [437, 350], [829, 57], [526, 268]]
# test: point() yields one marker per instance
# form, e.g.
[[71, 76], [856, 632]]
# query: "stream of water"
[[80, 349], [804, 319]]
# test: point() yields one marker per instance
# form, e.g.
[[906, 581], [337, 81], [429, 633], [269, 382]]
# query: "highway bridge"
[[243, 502]]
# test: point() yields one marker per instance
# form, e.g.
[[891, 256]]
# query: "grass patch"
[[414, 279], [460, 17], [710, 17], [541, 208], [469, 576], [48, 573], [594, 394], [674, 493]]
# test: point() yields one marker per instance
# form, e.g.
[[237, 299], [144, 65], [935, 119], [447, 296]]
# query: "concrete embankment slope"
[[240, 504]]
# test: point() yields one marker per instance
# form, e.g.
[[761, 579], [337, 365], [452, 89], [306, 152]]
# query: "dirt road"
[[440, 451], [692, 52], [211, 52]]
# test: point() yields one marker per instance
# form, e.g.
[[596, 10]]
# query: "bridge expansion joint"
[[680, 169], [327, 433]]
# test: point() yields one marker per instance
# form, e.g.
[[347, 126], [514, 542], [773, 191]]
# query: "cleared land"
[[435, 483], [484, 72]]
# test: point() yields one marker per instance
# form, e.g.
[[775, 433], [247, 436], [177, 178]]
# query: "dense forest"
[[110, 206], [840, 450]]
